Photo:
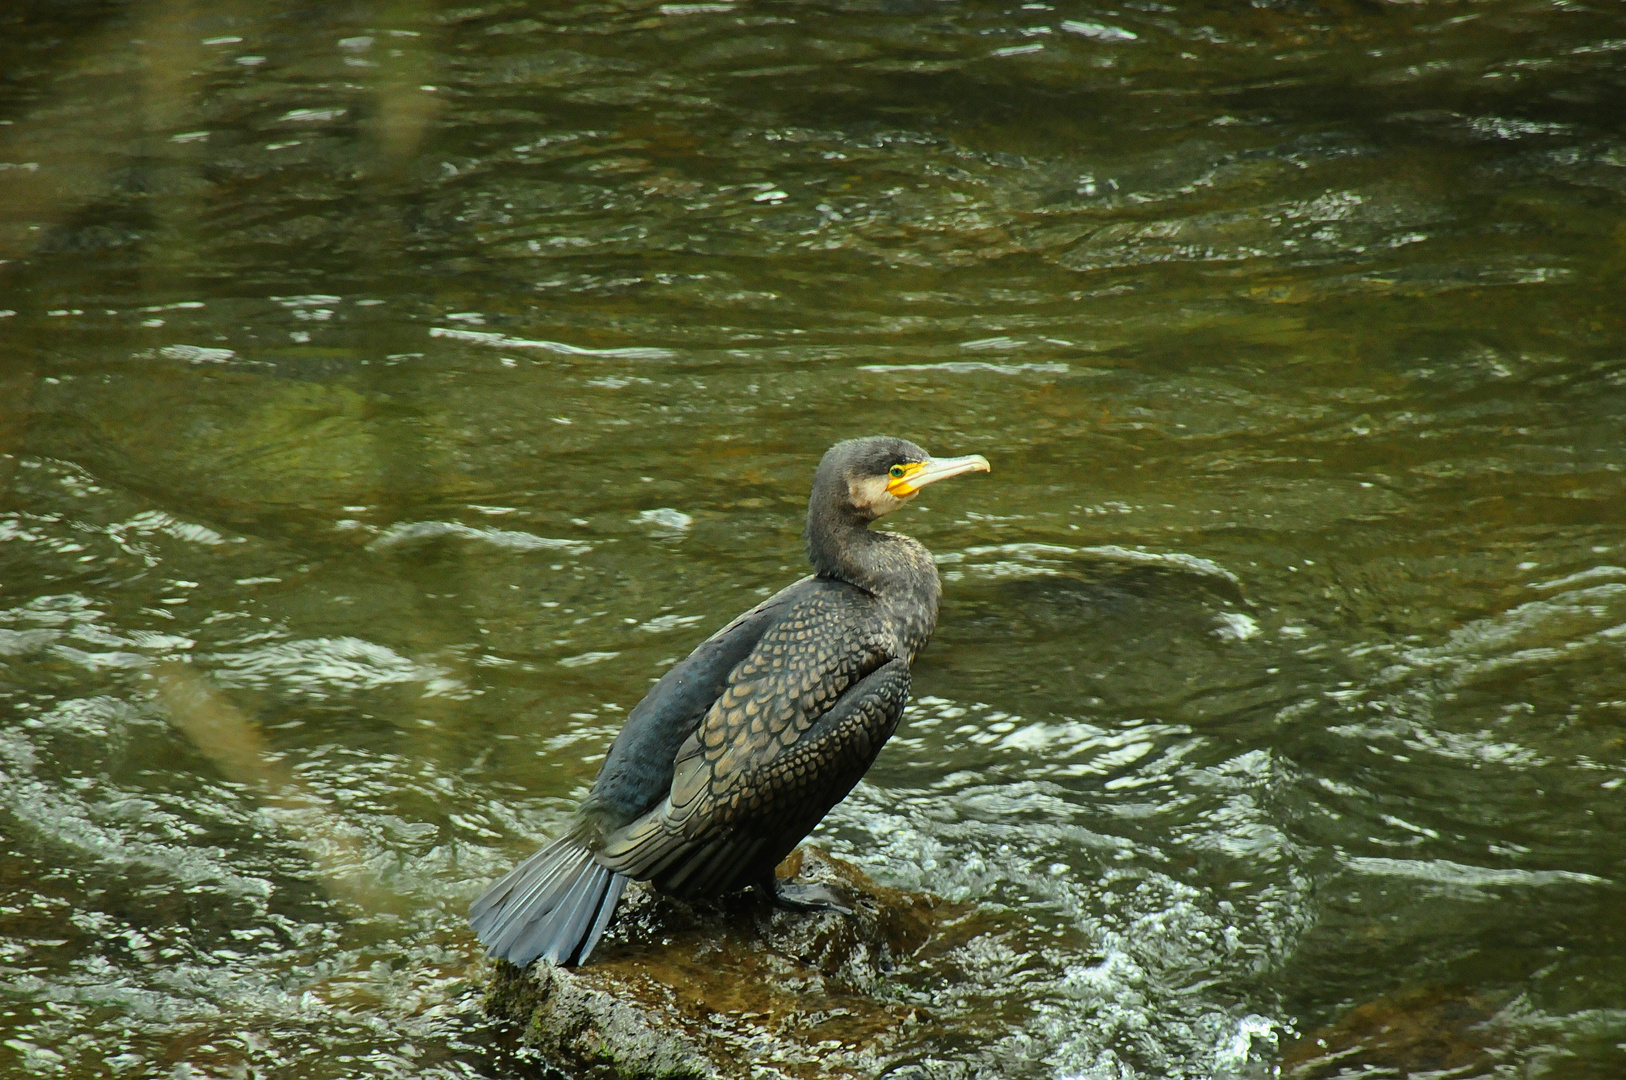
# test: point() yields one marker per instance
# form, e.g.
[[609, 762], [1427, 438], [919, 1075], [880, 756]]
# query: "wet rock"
[[741, 989]]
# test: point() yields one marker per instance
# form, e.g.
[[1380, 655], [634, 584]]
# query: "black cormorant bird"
[[740, 750]]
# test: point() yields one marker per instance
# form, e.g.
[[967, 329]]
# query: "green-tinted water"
[[415, 381]]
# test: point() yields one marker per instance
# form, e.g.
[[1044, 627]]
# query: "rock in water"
[[739, 989]]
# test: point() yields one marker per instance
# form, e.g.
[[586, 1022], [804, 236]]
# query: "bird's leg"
[[804, 896]]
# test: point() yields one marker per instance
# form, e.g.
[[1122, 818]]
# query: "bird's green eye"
[[897, 472]]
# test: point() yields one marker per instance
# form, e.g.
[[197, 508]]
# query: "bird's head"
[[871, 477]]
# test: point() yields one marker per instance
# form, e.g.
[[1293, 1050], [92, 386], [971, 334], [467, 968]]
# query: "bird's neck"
[[883, 564], [897, 570]]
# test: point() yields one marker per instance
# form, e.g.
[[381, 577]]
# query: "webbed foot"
[[804, 896]]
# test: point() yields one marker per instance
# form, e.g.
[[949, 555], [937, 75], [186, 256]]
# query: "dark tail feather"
[[554, 904], [606, 909]]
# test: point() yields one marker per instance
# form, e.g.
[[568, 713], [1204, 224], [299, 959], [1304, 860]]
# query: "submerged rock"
[[741, 989], [1422, 1030]]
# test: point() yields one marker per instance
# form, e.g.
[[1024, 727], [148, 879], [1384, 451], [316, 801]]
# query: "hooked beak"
[[934, 469]]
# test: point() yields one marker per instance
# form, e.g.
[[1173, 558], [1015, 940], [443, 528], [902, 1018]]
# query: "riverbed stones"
[[738, 988], [1424, 1030]]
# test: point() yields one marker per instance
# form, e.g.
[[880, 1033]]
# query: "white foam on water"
[[661, 624], [1127, 971], [322, 668], [63, 624], [1235, 626], [1445, 872], [586, 658], [503, 341], [1040, 556], [1098, 31], [972, 367], [196, 354], [665, 517], [410, 532]]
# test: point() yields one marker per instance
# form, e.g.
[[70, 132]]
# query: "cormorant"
[[740, 750]]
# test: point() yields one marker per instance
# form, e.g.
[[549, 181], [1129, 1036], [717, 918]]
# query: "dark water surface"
[[388, 392]]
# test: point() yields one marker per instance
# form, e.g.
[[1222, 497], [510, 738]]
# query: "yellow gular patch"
[[898, 483]]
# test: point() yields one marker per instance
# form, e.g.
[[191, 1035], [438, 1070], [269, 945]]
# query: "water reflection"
[[393, 391]]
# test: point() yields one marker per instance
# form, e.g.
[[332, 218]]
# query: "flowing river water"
[[388, 391]]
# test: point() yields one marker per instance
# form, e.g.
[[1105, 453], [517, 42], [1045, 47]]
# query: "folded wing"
[[798, 723]]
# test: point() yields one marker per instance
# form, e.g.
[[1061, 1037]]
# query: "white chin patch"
[[870, 494]]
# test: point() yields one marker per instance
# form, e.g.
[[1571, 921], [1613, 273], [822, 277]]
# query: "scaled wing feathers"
[[800, 720]]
